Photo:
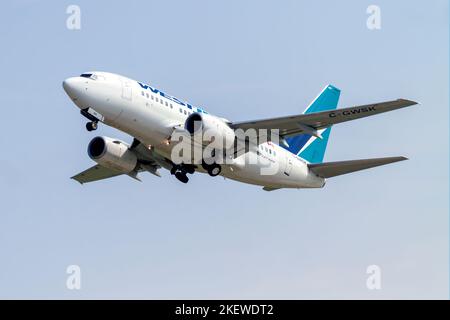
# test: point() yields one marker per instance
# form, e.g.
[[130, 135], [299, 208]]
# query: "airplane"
[[152, 117]]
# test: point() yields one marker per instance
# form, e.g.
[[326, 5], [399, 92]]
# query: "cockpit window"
[[92, 76]]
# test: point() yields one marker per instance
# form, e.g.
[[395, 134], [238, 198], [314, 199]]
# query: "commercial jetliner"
[[153, 117]]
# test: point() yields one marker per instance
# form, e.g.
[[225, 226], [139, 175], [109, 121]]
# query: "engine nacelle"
[[112, 154], [211, 128]]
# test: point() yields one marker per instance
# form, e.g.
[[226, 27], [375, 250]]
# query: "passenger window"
[[153, 97], [185, 112], [167, 104], [142, 93], [157, 100], [181, 110], [162, 102], [147, 95], [171, 106]]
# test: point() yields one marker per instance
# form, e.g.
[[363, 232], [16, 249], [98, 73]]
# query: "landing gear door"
[[287, 170], [127, 91]]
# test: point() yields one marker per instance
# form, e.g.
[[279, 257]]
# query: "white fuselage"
[[150, 116]]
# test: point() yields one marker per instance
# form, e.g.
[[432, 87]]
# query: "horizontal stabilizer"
[[332, 169]]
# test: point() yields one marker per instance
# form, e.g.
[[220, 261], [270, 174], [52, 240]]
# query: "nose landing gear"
[[94, 118]]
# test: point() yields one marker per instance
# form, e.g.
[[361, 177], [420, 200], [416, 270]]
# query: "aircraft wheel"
[[90, 126], [189, 168], [214, 170], [182, 177]]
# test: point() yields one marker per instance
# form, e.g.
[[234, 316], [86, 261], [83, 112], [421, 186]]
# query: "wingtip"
[[410, 102], [73, 178]]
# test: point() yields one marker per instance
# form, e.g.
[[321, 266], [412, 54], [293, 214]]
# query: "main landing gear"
[[213, 169], [91, 126], [181, 176], [180, 171]]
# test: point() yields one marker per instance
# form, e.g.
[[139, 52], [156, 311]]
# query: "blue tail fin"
[[310, 148]]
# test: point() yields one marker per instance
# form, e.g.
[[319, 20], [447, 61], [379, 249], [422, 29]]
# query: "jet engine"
[[211, 128], [112, 154]]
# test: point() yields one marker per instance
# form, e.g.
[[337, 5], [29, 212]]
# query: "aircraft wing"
[[95, 173], [312, 122], [147, 161]]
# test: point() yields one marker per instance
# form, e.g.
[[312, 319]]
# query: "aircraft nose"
[[73, 87]]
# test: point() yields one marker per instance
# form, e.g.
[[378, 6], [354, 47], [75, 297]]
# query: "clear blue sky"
[[216, 238]]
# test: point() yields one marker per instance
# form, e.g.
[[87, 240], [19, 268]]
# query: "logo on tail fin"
[[314, 150]]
